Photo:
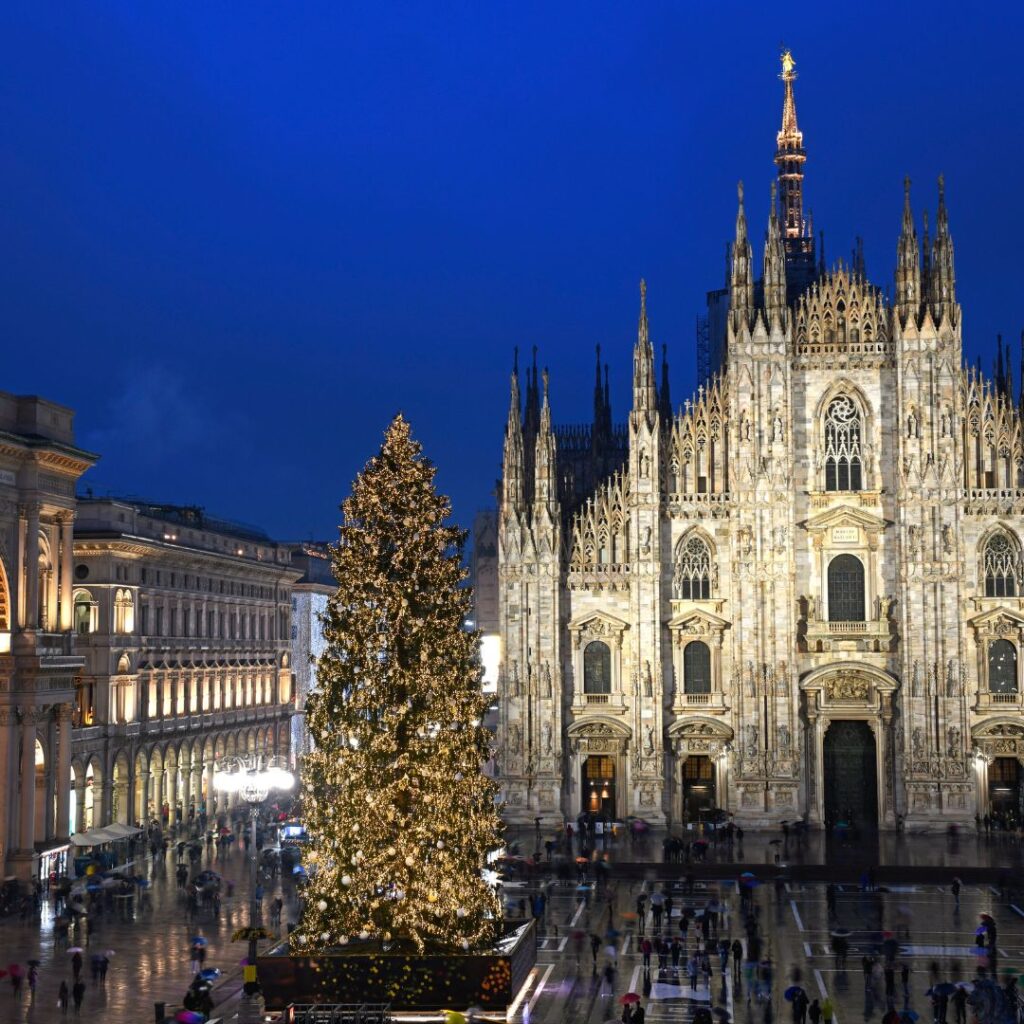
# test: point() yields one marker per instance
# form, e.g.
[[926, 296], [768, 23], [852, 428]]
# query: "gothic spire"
[[607, 404], [741, 278], [664, 399], [645, 393], [943, 283], [1010, 395], [774, 268], [598, 427], [545, 487], [1000, 374], [908, 263], [790, 156], [512, 462]]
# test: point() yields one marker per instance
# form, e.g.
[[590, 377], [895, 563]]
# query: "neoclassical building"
[[802, 593], [184, 622], [40, 465]]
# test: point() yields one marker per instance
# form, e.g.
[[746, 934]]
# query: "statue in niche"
[[811, 608], [645, 543], [751, 731], [914, 539], [514, 678], [948, 539], [648, 680], [751, 680], [953, 742], [777, 432], [952, 679], [944, 421], [917, 742], [515, 738], [546, 734], [784, 738], [885, 608], [915, 680], [645, 464], [649, 739], [782, 678], [912, 424]]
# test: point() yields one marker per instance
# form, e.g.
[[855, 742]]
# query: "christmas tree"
[[399, 813]]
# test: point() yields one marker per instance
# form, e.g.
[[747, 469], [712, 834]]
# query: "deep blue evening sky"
[[238, 237]]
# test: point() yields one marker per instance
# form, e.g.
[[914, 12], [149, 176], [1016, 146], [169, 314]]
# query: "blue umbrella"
[[946, 988], [909, 1015], [792, 992], [210, 974], [198, 940]]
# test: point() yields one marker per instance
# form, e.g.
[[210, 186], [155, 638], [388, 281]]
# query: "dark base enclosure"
[[433, 981]]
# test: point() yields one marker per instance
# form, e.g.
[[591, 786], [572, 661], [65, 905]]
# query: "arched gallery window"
[[842, 445], [846, 589], [1002, 667], [124, 612], [1000, 564], [692, 576], [86, 612], [597, 667], [696, 667]]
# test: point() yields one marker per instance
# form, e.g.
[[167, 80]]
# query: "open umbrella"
[[109, 953], [967, 986], [198, 940], [980, 930], [33, 963], [792, 992], [629, 997], [748, 874], [774, 842], [14, 970], [210, 974], [987, 917], [841, 933], [74, 949], [945, 988], [909, 1015], [189, 1017]]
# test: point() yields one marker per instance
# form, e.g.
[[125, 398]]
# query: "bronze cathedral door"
[[851, 775]]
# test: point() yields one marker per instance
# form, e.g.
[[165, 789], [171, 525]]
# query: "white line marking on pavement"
[[796, 914], [539, 989], [808, 950], [634, 979], [1013, 906], [625, 943], [576, 916], [824, 992], [521, 995]]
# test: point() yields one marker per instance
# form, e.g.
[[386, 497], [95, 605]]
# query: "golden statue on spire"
[[787, 63]]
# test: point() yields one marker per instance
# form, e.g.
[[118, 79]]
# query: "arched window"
[[842, 445], [691, 579], [1002, 667], [696, 667], [597, 667], [86, 612], [846, 589], [124, 612], [1000, 566]]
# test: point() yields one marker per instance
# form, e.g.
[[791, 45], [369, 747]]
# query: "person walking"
[[827, 1011], [641, 913], [959, 1001], [645, 951], [62, 998], [104, 965], [956, 893], [33, 979], [76, 965], [78, 994], [905, 980], [800, 1005], [595, 945], [737, 960], [691, 971], [814, 1012]]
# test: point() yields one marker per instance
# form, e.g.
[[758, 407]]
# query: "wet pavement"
[[151, 950], [151, 960], [795, 927]]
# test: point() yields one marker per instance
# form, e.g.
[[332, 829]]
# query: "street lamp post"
[[252, 777]]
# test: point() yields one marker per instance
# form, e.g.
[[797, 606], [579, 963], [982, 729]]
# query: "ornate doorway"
[[1004, 787], [698, 787], [598, 786], [851, 775]]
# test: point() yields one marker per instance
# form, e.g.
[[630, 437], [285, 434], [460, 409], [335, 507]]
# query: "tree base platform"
[[408, 981]]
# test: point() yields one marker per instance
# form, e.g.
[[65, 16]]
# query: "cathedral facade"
[[799, 595]]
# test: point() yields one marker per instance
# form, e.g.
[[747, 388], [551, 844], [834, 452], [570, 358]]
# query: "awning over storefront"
[[95, 837]]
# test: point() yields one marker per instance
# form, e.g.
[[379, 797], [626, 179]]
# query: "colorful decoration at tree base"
[[406, 980]]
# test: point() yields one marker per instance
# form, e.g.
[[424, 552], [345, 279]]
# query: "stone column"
[[142, 786], [63, 770], [27, 824], [67, 521], [32, 568], [80, 804], [19, 579], [157, 791], [197, 785], [6, 808], [172, 797]]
